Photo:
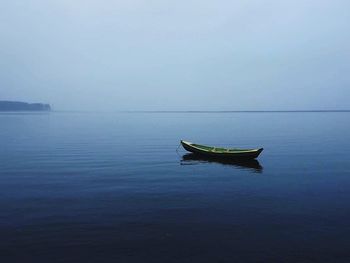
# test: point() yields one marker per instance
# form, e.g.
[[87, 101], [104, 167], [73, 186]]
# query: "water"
[[110, 187]]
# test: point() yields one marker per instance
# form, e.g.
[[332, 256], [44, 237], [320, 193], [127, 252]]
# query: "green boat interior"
[[218, 149]]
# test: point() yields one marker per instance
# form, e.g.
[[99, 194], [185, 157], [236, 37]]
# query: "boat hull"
[[248, 154]]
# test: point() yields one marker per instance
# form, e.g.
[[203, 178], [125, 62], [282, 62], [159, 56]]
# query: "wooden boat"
[[219, 152]]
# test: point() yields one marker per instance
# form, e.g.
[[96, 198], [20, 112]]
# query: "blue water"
[[110, 187]]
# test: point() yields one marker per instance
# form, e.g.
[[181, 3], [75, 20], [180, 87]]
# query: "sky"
[[111, 55]]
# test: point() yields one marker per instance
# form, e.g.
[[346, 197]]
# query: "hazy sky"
[[176, 55]]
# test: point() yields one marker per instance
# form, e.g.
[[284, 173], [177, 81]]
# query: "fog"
[[176, 55]]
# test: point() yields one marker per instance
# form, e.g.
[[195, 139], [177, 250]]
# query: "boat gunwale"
[[227, 150]]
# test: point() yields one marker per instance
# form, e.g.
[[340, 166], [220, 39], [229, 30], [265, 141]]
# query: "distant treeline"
[[23, 106]]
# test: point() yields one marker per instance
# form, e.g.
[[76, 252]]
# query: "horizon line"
[[204, 111]]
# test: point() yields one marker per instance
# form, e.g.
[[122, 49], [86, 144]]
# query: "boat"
[[220, 152]]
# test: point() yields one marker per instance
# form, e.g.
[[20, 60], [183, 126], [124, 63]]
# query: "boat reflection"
[[191, 159]]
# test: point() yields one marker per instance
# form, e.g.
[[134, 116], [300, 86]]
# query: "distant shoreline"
[[15, 106]]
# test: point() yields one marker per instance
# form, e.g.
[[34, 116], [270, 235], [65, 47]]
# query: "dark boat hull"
[[253, 154]]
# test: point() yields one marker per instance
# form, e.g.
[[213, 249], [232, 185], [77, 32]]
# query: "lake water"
[[111, 187]]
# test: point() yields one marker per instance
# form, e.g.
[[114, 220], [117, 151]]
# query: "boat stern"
[[186, 145]]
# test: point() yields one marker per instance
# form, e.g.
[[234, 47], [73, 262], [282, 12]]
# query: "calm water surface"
[[110, 187]]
